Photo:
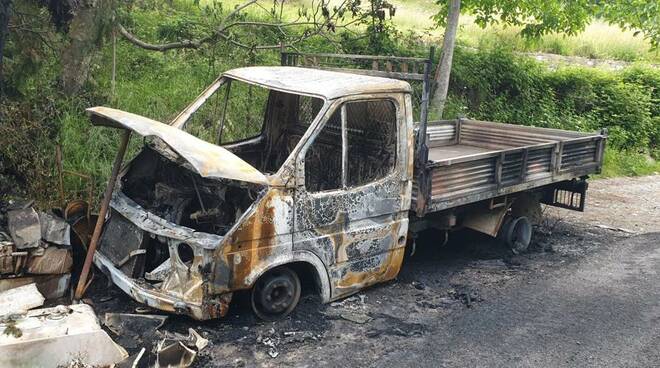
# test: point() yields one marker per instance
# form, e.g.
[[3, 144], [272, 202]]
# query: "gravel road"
[[585, 295]]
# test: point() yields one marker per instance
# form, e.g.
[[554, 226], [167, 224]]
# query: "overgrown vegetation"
[[500, 86], [497, 85], [490, 84]]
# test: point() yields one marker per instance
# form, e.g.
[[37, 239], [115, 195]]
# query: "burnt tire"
[[275, 294], [517, 234]]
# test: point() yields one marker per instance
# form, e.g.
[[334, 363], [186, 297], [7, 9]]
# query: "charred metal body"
[[193, 220]]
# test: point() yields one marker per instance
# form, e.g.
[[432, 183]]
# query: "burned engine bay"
[[177, 194], [163, 184]]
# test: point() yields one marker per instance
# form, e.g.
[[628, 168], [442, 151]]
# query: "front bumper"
[[185, 293], [144, 293]]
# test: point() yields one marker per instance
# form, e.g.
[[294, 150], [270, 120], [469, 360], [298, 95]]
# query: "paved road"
[[601, 312]]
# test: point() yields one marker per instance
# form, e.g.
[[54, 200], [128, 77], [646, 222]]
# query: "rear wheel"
[[517, 234], [276, 294]]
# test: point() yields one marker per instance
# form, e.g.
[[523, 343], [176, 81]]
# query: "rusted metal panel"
[[53, 261], [325, 84], [24, 228], [576, 154], [493, 191], [494, 159], [54, 229], [124, 243], [208, 159], [539, 163], [359, 233], [442, 133], [462, 179]]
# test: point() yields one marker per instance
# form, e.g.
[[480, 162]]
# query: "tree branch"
[[186, 44], [221, 34]]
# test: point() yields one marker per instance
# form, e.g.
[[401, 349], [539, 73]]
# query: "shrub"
[[498, 85]]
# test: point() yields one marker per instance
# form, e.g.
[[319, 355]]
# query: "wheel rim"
[[276, 294]]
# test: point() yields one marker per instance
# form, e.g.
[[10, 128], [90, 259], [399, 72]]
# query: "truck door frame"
[[371, 214]]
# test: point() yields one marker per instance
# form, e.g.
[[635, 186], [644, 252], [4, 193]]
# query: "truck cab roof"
[[325, 84]]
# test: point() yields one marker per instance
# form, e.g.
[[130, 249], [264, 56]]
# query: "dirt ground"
[[586, 294]]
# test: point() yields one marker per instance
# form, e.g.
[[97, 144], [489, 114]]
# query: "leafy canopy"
[[539, 17]]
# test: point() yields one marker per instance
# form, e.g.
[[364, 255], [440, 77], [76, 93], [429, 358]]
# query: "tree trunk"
[[4, 27], [90, 22], [444, 69]]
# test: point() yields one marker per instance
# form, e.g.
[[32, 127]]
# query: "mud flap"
[[486, 221]]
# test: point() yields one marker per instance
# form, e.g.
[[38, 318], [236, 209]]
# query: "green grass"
[[598, 41], [622, 163]]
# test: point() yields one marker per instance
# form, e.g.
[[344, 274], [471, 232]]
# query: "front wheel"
[[276, 294]]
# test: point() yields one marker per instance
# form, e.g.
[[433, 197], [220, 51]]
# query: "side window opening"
[[308, 108], [290, 115], [323, 160], [368, 131], [371, 135]]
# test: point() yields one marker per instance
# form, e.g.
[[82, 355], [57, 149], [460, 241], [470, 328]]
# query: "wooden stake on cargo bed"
[[80, 289]]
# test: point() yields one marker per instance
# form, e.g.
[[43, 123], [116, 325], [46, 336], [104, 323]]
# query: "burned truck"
[[275, 177]]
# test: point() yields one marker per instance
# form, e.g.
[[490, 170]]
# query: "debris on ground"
[[54, 229], [436, 303], [50, 286], [24, 228], [489, 264], [385, 324], [133, 361], [359, 318], [179, 351], [133, 330], [465, 294], [271, 341], [619, 229], [418, 285], [35, 247], [352, 302], [290, 337], [58, 336], [20, 300]]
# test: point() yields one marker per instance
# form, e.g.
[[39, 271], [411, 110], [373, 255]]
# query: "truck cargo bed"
[[470, 160]]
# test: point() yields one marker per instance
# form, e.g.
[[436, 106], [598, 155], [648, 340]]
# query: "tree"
[[537, 18], [75, 30], [5, 8], [317, 20], [446, 57], [89, 24]]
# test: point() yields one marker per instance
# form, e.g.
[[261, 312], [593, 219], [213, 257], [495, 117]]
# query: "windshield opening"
[[260, 125]]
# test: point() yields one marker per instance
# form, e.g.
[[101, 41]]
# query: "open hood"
[[209, 160]]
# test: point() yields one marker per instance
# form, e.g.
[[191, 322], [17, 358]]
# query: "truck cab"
[[273, 178]]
